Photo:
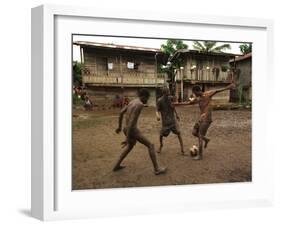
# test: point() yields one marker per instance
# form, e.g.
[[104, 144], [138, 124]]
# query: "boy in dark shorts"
[[169, 118], [201, 127], [132, 133]]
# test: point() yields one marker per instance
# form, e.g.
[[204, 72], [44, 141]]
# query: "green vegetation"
[[245, 48], [172, 45], [169, 48], [210, 47], [77, 73], [224, 68], [76, 100]]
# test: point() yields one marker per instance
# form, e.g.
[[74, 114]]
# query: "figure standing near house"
[[169, 117], [132, 133], [125, 101], [201, 127], [88, 104]]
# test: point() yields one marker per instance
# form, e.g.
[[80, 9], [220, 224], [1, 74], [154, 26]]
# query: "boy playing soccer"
[[169, 118], [132, 133], [200, 128]]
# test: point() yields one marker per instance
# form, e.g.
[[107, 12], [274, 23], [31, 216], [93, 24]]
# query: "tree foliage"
[[172, 45], [245, 48], [77, 72], [169, 48], [210, 46]]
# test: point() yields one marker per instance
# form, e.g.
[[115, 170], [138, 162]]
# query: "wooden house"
[[242, 67], [209, 70], [112, 71]]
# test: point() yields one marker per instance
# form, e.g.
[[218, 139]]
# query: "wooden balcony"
[[129, 80], [204, 76]]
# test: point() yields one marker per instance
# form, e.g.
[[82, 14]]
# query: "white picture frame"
[[52, 197]]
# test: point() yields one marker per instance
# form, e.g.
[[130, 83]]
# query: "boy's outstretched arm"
[[214, 92], [194, 101], [122, 112]]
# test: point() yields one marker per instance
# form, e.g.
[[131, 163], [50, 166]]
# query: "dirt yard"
[[96, 147]]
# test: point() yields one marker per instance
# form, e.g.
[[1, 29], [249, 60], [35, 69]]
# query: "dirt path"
[[96, 147]]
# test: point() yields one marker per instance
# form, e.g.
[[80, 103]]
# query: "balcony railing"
[[204, 75], [130, 79]]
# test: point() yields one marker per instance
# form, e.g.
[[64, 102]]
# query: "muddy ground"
[[96, 147]]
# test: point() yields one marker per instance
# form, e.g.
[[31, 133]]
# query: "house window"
[[133, 65], [130, 65], [110, 66]]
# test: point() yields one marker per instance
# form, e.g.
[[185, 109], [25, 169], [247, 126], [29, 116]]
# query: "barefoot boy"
[[169, 118], [132, 133], [205, 120]]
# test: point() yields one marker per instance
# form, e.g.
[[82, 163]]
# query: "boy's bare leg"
[[181, 143], [203, 131], [157, 170], [122, 157], [161, 144], [205, 139]]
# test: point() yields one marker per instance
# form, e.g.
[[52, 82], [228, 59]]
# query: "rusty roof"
[[115, 46], [239, 58], [193, 51], [199, 53]]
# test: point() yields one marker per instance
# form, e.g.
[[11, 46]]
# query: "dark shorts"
[[201, 128], [165, 131]]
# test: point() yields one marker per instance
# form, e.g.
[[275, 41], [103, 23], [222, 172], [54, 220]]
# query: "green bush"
[[76, 100]]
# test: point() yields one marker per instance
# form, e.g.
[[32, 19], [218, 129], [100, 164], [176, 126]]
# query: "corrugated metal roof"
[[114, 46], [196, 52], [244, 57]]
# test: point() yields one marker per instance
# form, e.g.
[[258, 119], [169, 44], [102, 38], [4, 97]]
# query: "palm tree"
[[210, 47], [246, 48], [172, 45]]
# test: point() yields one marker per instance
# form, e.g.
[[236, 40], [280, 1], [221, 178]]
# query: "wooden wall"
[[201, 72], [96, 60], [244, 78]]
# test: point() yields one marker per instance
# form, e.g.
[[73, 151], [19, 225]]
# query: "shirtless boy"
[[205, 120], [132, 133], [169, 118]]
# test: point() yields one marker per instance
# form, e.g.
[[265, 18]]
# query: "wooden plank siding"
[[128, 80], [96, 72], [201, 72]]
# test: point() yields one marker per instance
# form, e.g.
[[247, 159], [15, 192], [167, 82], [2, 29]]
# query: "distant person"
[[200, 128], [132, 133], [88, 104], [83, 95], [118, 102], [169, 117], [126, 101]]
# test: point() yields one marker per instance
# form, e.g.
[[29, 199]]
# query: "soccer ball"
[[193, 151]]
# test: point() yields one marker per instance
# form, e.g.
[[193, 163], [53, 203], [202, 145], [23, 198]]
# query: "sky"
[[141, 42]]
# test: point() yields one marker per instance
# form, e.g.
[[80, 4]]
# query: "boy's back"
[[165, 107]]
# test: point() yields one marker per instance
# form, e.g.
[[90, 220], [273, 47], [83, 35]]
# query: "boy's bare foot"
[[197, 157], [206, 142], [161, 170], [116, 168]]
